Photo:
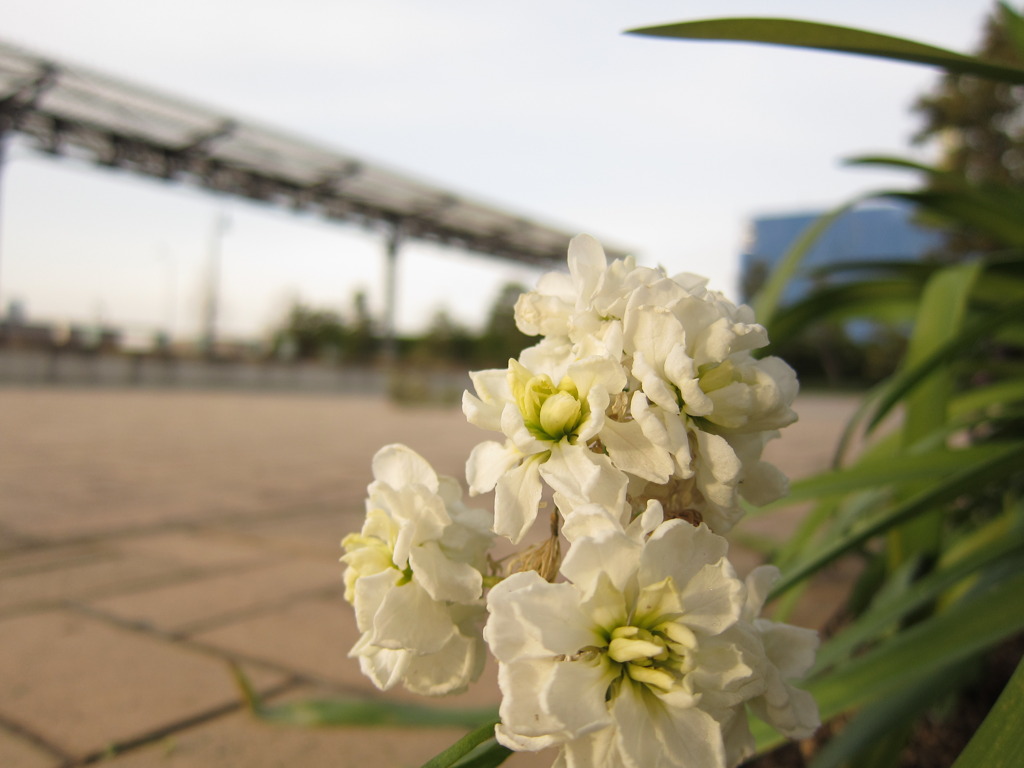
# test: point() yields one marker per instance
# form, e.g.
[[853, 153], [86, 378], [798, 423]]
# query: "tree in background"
[[309, 334], [979, 124]]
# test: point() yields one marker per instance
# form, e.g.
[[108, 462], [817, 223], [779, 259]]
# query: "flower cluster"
[[644, 413]]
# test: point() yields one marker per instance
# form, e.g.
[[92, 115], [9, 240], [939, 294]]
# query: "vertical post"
[[3, 161], [212, 299], [394, 242]]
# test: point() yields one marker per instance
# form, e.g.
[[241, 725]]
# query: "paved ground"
[[148, 539]]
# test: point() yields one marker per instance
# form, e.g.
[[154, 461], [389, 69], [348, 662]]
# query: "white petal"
[[516, 499], [631, 451], [410, 619], [712, 599], [385, 668], [651, 735], [678, 550], [488, 462], [584, 476], [399, 466], [612, 554], [532, 619], [450, 670], [545, 703], [443, 578], [586, 264]]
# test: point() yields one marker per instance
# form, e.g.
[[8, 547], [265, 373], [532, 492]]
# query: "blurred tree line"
[[978, 126], [312, 334]]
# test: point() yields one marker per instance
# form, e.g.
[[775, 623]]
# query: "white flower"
[[586, 306], [696, 408], [788, 655], [623, 665], [414, 577], [550, 429]]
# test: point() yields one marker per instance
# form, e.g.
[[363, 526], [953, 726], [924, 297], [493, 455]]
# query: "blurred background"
[[677, 154], [364, 191]]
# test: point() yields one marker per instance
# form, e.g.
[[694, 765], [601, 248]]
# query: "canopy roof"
[[71, 111]]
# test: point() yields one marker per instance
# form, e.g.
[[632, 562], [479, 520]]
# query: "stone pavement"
[[149, 538]]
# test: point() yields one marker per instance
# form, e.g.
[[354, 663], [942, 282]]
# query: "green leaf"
[[999, 742], [884, 300], [939, 319], [977, 330], [926, 650], [885, 614], [985, 397], [892, 715], [487, 755], [828, 37], [331, 712], [1006, 460], [902, 468], [766, 303], [463, 746], [995, 211], [969, 627]]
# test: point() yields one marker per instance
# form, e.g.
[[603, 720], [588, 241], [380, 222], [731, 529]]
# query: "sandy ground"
[[150, 538]]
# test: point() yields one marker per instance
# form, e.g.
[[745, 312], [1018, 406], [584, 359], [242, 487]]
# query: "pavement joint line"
[[35, 740], [185, 576], [203, 625], [119, 748], [36, 541], [228, 657]]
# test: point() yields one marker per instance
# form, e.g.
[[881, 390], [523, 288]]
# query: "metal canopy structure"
[[70, 111]]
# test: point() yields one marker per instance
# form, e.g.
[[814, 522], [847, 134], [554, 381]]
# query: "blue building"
[[877, 232]]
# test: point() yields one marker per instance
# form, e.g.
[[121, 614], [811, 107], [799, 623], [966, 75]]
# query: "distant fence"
[[68, 368]]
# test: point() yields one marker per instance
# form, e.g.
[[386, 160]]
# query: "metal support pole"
[[4, 133], [394, 242]]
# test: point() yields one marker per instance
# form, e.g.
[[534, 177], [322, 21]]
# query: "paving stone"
[[309, 534], [121, 459], [182, 607], [16, 752], [52, 581], [313, 637], [240, 741], [83, 685], [202, 548]]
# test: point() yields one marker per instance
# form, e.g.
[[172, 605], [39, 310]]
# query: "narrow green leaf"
[[939, 320], [249, 694], [926, 650], [331, 712], [994, 211], [999, 742], [899, 469], [896, 387], [463, 746], [828, 37], [896, 162], [999, 394], [1006, 460], [883, 615], [964, 630], [488, 755], [891, 715], [766, 303], [882, 299]]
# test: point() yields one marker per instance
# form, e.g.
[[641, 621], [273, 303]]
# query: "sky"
[[665, 148]]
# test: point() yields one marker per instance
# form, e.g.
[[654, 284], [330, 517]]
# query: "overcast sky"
[[545, 108]]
